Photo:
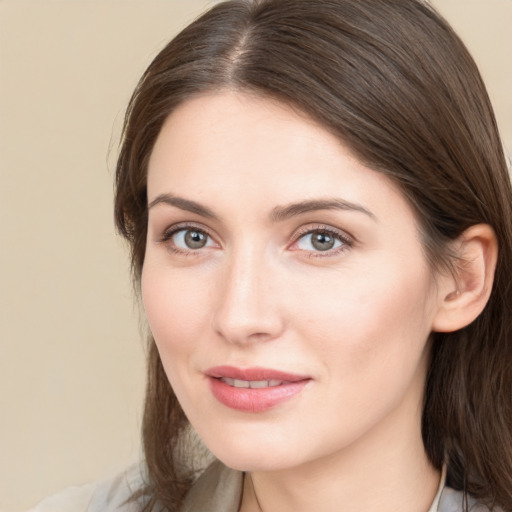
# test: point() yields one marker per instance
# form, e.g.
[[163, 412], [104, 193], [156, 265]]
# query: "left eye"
[[191, 239], [319, 241]]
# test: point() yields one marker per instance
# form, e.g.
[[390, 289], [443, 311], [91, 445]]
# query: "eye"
[[322, 240], [318, 241], [189, 239]]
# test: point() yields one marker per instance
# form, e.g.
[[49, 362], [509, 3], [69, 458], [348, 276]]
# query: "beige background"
[[71, 356]]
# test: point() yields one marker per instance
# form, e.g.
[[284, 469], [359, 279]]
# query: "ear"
[[463, 294]]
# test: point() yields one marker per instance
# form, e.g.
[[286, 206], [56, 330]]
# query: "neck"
[[374, 489]]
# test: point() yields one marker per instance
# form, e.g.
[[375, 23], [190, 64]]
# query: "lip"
[[282, 386]]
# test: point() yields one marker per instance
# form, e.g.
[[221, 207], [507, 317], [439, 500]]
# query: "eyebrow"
[[183, 204], [278, 214]]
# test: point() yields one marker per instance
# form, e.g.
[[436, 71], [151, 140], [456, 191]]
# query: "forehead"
[[245, 149], [232, 124]]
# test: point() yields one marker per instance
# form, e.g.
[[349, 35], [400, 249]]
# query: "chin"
[[246, 454], [255, 462]]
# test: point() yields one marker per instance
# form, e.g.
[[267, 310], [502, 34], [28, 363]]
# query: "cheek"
[[175, 309], [372, 318]]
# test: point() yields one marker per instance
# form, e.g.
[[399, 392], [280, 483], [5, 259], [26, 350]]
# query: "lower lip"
[[254, 400]]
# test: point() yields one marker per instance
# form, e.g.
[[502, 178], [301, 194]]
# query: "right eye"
[[189, 239]]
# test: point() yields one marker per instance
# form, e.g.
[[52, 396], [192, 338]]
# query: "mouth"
[[254, 389], [252, 384]]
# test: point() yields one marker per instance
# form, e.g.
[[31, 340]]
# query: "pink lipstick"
[[253, 389]]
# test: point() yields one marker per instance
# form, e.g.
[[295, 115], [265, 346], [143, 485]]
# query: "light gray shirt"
[[218, 489]]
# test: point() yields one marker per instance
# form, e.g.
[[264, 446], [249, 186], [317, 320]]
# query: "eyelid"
[[167, 234], [170, 230], [348, 240]]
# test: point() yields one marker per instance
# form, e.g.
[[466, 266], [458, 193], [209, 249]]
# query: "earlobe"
[[462, 295]]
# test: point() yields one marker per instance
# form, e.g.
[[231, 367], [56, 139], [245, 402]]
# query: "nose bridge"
[[246, 305]]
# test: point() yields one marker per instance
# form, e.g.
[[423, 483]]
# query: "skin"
[[355, 319]]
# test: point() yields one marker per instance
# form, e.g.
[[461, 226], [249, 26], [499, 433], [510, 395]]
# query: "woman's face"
[[285, 286]]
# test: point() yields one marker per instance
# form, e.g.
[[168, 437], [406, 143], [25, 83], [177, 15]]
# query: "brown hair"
[[395, 83]]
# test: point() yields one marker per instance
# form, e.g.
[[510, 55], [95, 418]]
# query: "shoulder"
[[72, 499], [111, 495], [453, 501]]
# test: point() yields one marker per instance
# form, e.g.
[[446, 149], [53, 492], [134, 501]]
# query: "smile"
[[253, 384], [254, 389]]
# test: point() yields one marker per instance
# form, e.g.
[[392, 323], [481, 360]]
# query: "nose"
[[247, 301]]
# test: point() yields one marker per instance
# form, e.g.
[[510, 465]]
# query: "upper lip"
[[253, 374]]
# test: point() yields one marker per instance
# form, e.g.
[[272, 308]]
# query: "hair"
[[394, 82]]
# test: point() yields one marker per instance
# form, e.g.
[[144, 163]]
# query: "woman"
[[318, 209]]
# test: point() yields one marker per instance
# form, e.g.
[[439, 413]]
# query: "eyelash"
[[173, 230], [346, 241]]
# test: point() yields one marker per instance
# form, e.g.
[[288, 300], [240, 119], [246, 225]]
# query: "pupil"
[[195, 239], [322, 241]]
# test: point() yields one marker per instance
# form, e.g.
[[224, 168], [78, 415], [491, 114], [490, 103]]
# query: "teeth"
[[265, 383], [253, 384], [241, 383]]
